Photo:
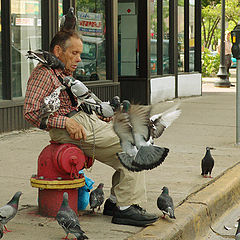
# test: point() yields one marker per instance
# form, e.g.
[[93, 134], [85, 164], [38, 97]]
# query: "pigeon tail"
[[82, 237], [171, 213], [126, 160], [149, 157]]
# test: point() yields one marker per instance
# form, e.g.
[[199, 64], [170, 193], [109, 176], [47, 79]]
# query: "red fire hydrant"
[[58, 167]]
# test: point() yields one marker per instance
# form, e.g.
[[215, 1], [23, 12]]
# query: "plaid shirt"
[[42, 82]]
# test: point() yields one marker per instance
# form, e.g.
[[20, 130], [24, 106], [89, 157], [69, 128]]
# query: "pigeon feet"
[[66, 238], [6, 230]]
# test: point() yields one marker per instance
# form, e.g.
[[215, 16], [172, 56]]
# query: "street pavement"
[[207, 120]]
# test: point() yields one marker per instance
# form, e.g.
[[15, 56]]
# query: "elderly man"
[[70, 124]]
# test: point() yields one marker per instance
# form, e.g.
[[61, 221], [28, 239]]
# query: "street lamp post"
[[223, 80]]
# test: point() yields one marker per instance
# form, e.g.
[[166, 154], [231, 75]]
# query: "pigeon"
[[50, 105], [237, 234], [68, 220], [159, 122], [46, 58], [9, 211], [132, 127], [68, 21], [87, 99], [97, 197], [1, 230], [165, 203], [207, 163], [115, 103]]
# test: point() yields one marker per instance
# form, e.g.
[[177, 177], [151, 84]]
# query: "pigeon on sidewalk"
[[165, 203], [131, 124], [9, 211], [97, 197], [207, 163], [68, 220], [68, 21]]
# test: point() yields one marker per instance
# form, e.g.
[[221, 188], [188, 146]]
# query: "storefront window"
[[26, 35], [128, 51], [91, 24], [153, 37], [191, 34], [165, 36], [181, 36]]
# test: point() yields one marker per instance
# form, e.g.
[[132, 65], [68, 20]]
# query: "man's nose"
[[79, 58]]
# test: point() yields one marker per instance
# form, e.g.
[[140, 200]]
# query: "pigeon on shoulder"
[[207, 163], [165, 203], [68, 21], [9, 211], [97, 197], [68, 220], [46, 58]]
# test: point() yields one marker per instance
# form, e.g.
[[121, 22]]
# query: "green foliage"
[[210, 64]]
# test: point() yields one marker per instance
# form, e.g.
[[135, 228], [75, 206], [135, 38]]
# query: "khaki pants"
[[127, 186]]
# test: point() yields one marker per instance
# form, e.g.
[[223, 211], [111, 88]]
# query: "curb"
[[198, 211]]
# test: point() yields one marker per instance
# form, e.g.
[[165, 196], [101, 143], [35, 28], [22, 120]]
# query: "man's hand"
[[75, 130]]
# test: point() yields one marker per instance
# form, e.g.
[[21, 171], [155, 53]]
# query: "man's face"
[[71, 56]]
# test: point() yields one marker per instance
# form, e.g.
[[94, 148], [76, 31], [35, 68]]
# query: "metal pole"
[[222, 73], [238, 104]]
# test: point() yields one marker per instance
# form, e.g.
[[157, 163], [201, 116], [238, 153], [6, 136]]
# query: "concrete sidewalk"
[[208, 120]]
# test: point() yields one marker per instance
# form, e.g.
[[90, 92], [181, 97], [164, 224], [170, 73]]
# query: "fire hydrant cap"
[[71, 157]]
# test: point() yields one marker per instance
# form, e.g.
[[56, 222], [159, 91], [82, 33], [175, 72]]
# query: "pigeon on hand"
[[50, 105], [207, 163], [68, 220], [132, 127], [237, 234], [159, 122], [68, 21], [165, 203], [9, 211], [46, 58], [97, 197]]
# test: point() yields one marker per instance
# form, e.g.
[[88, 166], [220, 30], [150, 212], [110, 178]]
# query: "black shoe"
[[134, 215], [109, 207]]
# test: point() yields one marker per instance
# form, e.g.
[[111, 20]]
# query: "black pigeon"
[[68, 21], [46, 58], [237, 234], [165, 203], [207, 163], [9, 211], [68, 220], [97, 197]]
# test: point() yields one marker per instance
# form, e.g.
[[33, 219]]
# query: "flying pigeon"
[[50, 105], [68, 220], [165, 203], [207, 163], [68, 21], [161, 121], [87, 98], [132, 127], [46, 58], [97, 197], [9, 211], [237, 234]]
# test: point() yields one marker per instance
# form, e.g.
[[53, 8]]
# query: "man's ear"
[[57, 50]]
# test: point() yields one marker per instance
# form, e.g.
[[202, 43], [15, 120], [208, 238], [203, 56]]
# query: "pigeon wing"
[[139, 119], [37, 55], [7, 212]]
